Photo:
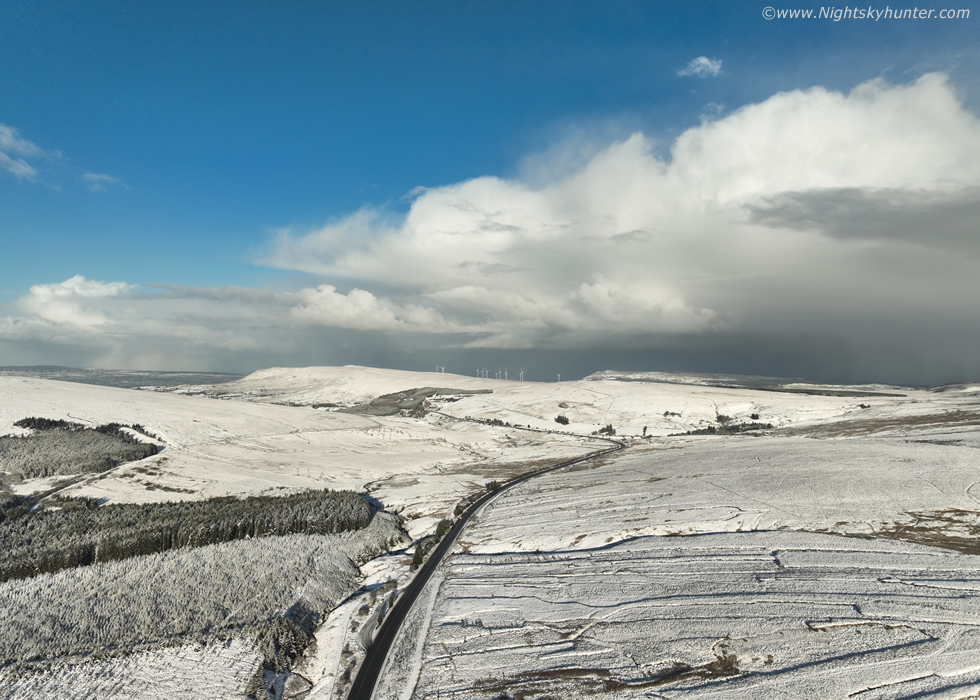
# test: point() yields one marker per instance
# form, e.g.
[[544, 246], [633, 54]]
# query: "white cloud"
[[17, 166], [99, 181], [15, 150], [130, 325], [74, 302], [23, 159], [361, 310], [630, 243], [12, 142], [313, 251], [701, 67], [848, 217]]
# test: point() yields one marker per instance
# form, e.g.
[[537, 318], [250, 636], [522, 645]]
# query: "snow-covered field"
[[710, 567], [749, 614], [832, 554]]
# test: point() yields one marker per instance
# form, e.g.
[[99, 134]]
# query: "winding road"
[[367, 676]]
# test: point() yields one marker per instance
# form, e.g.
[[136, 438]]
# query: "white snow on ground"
[[694, 568], [336, 648], [217, 671], [217, 448], [751, 614], [667, 408], [344, 386], [162, 598], [629, 401], [709, 485], [669, 566], [663, 403], [417, 467]]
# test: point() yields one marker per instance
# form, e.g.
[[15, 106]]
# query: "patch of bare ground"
[[559, 682], [869, 426], [952, 528], [402, 482], [504, 470], [592, 464]]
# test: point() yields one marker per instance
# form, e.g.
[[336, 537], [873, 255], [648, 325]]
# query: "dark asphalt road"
[[374, 659]]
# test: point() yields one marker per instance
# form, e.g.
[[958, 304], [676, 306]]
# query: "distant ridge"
[[61, 368], [41, 368], [751, 381], [121, 378]]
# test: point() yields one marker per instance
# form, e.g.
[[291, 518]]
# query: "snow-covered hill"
[[686, 565], [215, 448], [663, 403]]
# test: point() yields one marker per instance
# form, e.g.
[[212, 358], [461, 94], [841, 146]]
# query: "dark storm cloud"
[[928, 219]]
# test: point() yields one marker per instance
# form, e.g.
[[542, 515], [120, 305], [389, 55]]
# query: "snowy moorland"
[[724, 567], [628, 401], [207, 449], [828, 549], [419, 468]]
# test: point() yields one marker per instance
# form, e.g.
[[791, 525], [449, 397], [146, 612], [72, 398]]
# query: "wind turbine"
[[522, 374], [559, 377], [505, 375]]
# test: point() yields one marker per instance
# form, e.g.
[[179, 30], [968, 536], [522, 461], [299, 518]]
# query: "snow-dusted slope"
[[731, 615], [345, 386], [683, 567], [713, 567], [663, 403], [214, 448]]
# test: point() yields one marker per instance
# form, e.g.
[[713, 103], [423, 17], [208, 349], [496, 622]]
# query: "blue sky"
[[238, 149]]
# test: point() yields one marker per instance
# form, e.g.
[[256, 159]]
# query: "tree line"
[[80, 532]]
